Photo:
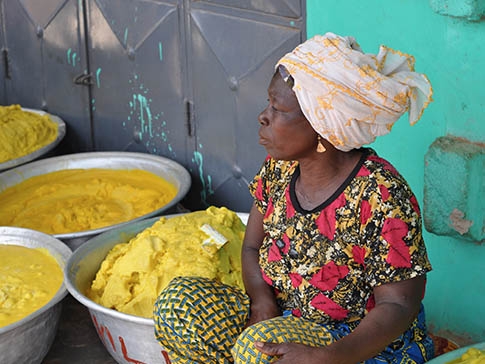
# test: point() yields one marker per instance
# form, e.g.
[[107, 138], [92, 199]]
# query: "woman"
[[334, 263]]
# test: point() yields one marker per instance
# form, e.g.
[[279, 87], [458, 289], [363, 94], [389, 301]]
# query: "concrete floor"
[[77, 341]]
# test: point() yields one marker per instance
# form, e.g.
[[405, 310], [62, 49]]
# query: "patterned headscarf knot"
[[350, 97]]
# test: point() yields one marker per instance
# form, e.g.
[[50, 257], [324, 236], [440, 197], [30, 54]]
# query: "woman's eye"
[[272, 106]]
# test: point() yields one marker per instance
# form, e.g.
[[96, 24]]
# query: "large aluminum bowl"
[[61, 132], [29, 339], [127, 338], [166, 168], [455, 354]]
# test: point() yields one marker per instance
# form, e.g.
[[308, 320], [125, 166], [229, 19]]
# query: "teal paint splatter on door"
[[149, 127], [98, 72], [207, 190], [71, 57], [140, 103]]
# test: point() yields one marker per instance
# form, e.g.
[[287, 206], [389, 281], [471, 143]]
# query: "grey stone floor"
[[77, 341]]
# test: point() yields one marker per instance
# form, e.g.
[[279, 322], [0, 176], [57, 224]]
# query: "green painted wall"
[[451, 52]]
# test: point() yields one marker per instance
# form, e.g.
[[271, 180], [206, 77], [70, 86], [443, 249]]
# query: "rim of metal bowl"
[[61, 132], [128, 232], [455, 354], [103, 160], [36, 239]]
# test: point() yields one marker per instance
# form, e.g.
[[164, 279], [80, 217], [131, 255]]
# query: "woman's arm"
[[263, 302], [397, 305]]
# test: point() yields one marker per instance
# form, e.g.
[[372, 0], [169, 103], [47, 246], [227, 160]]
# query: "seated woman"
[[334, 262]]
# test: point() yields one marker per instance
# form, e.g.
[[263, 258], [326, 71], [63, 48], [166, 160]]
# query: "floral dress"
[[323, 264]]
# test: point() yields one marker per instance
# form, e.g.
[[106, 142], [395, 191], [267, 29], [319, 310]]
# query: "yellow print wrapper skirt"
[[198, 320]]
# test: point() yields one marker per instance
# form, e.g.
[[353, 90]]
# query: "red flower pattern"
[[359, 254], [269, 209], [321, 302], [363, 172], [365, 212], [326, 220], [286, 240], [328, 276], [258, 194], [371, 303], [384, 192], [274, 253], [296, 312], [266, 278], [393, 231], [296, 279], [415, 204]]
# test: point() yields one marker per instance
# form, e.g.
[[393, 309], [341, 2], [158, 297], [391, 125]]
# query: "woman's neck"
[[320, 177]]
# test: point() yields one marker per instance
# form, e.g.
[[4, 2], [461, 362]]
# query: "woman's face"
[[284, 131]]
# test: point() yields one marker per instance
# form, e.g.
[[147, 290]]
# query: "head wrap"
[[350, 97]]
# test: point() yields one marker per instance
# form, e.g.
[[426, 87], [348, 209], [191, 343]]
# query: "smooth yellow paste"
[[133, 273], [23, 132], [74, 200], [29, 278], [471, 356]]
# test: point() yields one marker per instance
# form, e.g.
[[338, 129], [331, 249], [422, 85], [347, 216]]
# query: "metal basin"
[[61, 132], [28, 340], [455, 354], [166, 168], [128, 339]]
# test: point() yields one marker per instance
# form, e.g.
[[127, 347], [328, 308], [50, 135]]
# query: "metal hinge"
[[6, 63], [85, 79], [189, 114]]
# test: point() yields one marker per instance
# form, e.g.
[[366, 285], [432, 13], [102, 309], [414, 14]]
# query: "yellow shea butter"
[[471, 356], [74, 200], [134, 273], [23, 132], [29, 278]]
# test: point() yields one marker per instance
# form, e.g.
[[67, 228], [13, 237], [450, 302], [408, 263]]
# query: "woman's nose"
[[262, 118]]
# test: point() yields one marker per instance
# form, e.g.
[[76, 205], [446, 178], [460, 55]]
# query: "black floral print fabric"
[[323, 264]]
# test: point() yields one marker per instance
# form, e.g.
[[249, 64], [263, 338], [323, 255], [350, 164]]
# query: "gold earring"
[[320, 147]]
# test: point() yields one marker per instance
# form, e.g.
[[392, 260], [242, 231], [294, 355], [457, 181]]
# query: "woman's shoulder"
[[376, 165], [278, 168], [382, 177]]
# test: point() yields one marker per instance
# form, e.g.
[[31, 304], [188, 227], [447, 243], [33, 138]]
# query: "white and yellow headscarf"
[[350, 97]]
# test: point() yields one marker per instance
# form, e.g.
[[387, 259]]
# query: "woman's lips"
[[262, 140]]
